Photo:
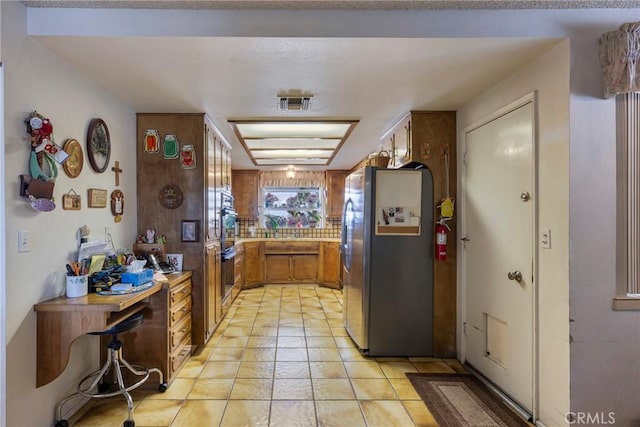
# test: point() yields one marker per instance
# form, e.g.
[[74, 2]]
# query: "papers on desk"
[[97, 247]]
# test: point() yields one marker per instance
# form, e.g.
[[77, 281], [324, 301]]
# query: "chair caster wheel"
[[62, 423], [129, 423], [163, 387]]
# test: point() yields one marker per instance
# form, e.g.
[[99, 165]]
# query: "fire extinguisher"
[[441, 240]]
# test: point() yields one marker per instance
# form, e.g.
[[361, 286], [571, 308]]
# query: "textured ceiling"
[[333, 5]]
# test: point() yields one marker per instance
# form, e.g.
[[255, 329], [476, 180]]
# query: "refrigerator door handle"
[[343, 238]]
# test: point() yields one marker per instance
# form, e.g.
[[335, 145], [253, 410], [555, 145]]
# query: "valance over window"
[[301, 179], [620, 59]]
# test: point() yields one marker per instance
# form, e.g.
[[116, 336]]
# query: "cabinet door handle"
[[184, 309], [183, 330], [407, 128]]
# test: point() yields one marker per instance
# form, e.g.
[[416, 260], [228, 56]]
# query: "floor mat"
[[461, 400]]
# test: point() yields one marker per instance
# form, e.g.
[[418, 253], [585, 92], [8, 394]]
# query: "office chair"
[[99, 386]]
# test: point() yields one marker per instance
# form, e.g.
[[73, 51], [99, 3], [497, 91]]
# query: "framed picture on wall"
[[189, 230]]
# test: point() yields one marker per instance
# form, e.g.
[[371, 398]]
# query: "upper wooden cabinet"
[[335, 192], [420, 136], [245, 193]]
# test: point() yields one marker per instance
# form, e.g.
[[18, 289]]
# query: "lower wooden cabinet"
[[253, 264], [278, 268], [304, 268], [288, 261], [213, 286], [330, 267], [164, 339]]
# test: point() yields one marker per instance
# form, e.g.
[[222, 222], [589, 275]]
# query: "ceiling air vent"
[[294, 103]]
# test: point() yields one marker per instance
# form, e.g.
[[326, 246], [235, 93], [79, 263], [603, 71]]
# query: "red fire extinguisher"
[[441, 240]]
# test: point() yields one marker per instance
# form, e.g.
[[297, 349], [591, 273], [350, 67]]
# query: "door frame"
[[461, 270]]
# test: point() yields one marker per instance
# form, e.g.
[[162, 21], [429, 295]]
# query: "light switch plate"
[[24, 242], [545, 238]]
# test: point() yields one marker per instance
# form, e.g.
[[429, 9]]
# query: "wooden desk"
[[61, 320]]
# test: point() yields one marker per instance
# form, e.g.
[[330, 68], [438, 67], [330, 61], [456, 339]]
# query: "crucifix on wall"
[[117, 171]]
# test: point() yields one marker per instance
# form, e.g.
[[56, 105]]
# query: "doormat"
[[461, 400]]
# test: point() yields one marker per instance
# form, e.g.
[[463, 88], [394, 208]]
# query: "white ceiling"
[[373, 80]]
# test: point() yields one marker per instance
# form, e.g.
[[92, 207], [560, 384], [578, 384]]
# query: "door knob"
[[525, 196], [515, 275]]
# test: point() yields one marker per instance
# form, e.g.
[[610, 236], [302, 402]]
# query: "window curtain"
[[301, 179], [620, 59]]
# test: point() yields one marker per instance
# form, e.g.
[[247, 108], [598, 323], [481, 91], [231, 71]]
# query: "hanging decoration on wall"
[[170, 196], [170, 147], [71, 201], [98, 145], [117, 205], [73, 166], [118, 171], [44, 151], [151, 141], [97, 198], [187, 157]]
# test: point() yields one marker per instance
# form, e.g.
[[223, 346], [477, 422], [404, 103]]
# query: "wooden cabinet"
[[335, 192], [329, 271], [429, 137], [169, 193], [164, 340], [214, 285], [291, 262], [253, 264], [238, 271], [245, 193]]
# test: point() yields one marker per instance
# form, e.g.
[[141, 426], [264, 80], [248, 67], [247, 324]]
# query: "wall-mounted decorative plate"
[[73, 166], [170, 196]]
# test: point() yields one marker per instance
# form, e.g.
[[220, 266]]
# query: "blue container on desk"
[[137, 278]]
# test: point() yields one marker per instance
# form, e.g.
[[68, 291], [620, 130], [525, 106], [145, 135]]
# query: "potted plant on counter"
[[314, 219]]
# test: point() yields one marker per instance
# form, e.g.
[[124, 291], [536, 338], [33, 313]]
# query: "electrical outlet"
[[545, 238], [24, 242]]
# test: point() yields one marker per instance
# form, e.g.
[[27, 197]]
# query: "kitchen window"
[[292, 207]]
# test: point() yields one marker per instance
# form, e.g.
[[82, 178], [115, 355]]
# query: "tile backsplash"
[[332, 229]]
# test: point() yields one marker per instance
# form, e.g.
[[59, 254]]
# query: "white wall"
[[548, 76], [37, 80], [605, 374], [605, 352]]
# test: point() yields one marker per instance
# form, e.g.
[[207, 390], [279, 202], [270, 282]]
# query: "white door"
[[498, 255]]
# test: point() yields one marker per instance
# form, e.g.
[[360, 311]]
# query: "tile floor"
[[281, 357]]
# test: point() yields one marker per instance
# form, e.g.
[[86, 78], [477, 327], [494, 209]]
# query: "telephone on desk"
[[159, 266]]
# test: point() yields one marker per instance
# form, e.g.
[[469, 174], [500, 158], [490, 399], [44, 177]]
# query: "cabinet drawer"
[[276, 247], [178, 334], [291, 247], [180, 356], [305, 247], [180, 311], [179, 292]]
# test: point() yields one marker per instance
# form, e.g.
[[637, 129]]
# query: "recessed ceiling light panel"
[[301, 142]]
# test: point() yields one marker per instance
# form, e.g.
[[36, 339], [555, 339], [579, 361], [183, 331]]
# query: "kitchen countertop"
[[288, 239]]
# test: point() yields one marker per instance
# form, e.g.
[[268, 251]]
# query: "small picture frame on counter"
[[189, 231], [175, 261]]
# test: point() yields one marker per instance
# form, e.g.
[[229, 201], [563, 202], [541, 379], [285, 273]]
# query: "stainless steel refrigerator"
[[387, 261]]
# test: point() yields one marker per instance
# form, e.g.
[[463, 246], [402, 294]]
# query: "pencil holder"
[[77, 286]]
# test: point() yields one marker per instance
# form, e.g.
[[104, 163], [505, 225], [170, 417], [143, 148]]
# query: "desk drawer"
[[178, 334], [180, 356], [178, 312], [179, 292]]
